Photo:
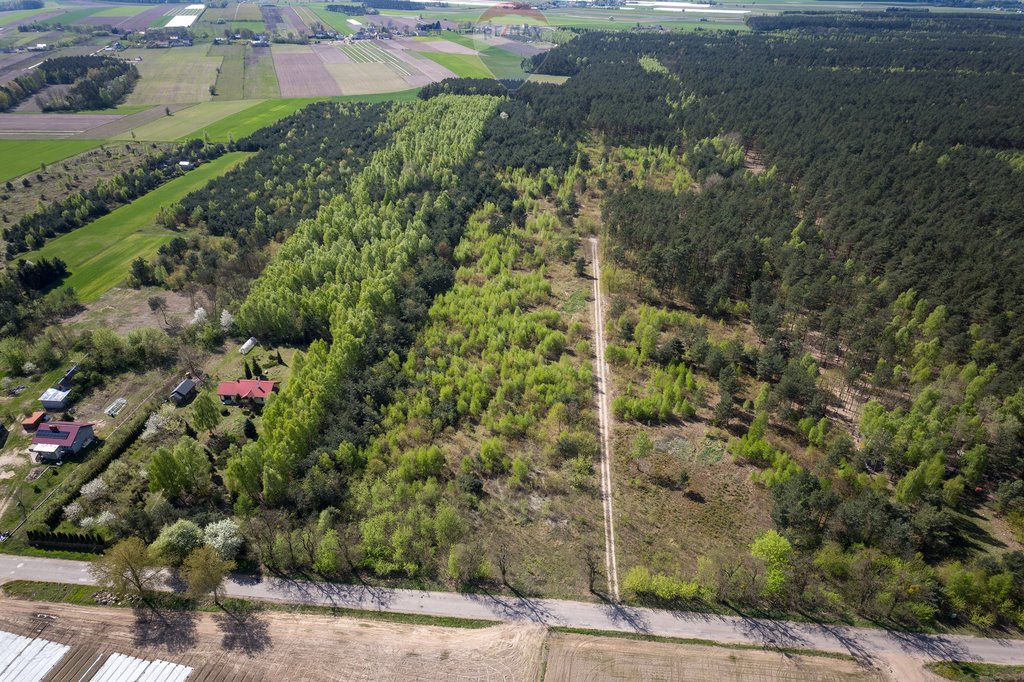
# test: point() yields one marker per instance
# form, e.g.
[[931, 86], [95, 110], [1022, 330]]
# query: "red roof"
[[58, 433], [35, 419], [246, 388]]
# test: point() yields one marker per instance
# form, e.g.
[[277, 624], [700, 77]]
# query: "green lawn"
[[8, 17], [18, 157], [99, 255], [462, 65]]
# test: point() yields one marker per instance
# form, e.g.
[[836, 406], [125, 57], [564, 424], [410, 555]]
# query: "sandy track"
[[576, 658], [604, 414], [278, 646]]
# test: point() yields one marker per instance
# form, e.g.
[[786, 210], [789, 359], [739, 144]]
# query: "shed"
[[32, 422], [54, 399], [65, 381], [248, 345], [183, 392]]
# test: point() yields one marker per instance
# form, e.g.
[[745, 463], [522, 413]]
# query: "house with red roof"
[[246, 391], [56, 440]]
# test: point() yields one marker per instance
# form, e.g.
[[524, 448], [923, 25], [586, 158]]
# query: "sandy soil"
[[445, 46], [330, 54], [574, 658], [52, 124], [123, 310], [276, 646]]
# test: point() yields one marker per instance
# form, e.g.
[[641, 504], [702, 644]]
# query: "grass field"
[[8, 17], [187, 121], [180, 75], [99, 255], [260, 76], [231, 79], [462, 65], [18, 157], [71, 16], [266, 112], [122, 11], [336, 20]]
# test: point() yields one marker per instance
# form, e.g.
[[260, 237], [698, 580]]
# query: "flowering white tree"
[[225, 537], [227, 320], [199, 316]]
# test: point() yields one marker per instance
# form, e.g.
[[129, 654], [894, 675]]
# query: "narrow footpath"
[[604, 420]]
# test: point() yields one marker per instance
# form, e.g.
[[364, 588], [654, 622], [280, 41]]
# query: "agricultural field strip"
[[367, 53], [860, 642], [605, 426]]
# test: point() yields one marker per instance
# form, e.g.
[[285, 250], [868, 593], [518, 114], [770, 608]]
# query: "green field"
[[336, 20], [462, 65], [18, 157], [269, 111], [187, 121], [122, 11], [71, 16], [181, 75], [231, 79], [260, 78], [99, 255], [8, 17]]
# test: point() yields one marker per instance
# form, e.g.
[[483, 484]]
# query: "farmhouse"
[[56, 440], [246, 391], [54, 399], [32, 422], [182, 392]]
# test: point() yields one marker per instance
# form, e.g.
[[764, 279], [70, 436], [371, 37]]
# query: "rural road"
[[874, 647], [604, 421]]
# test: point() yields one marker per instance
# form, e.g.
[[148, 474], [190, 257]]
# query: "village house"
[[246, 391], [56, 440]]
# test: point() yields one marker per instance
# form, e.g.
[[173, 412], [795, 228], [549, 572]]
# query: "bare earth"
[[278, 646], [303, 75], [575, 658]]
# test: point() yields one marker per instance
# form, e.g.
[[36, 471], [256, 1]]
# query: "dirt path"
[[278, 646], [604, 416]]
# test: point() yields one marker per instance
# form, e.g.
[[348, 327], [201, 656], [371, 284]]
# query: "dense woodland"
[[96, 83], [845, 190]]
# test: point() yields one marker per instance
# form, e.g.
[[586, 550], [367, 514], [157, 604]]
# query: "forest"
[[96, 83], [813, 275]]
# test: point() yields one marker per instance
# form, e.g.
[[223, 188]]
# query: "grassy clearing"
[[180, 75], [83, 595], [23, 156], [977, 672], [188, 121], [231, 77], [462, 65], [99, 254], [542, 78]]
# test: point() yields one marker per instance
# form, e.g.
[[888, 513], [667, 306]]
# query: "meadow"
[[463, 65], [22, 156], [99, 255], [182, 75]]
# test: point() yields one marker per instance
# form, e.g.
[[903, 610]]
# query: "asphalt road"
[[868, 645]]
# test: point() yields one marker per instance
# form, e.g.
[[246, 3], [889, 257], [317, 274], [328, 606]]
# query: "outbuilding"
[[54, 399], [33, 421], [183, 392], [248, 345], [56, 440]]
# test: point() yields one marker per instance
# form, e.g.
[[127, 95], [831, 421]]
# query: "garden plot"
[[303, 74]]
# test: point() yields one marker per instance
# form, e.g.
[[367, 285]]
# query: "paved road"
[[871, 646]]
